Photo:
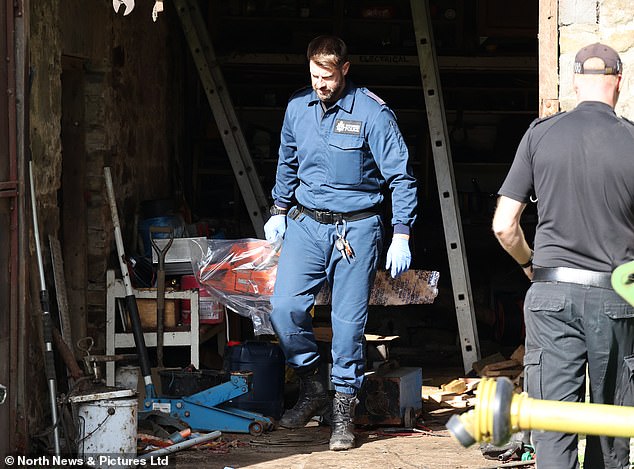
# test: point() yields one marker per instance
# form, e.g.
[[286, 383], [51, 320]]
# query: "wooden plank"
[[457, 385], [414, 287], [74, 230], [445, 62], [427, 391], [323, 333], [60, 290], [518, 354], [508, 372], [480, 364], [548, 56], [501, 366], [440, 396]]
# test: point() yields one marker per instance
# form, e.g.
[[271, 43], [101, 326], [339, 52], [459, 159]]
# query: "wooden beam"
[[445, 62], [548, 41]]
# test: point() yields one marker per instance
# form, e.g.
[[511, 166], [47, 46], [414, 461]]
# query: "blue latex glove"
[[398, 256], [275, 227]]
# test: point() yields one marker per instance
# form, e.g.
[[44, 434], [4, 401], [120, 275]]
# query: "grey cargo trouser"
[[567, 326]]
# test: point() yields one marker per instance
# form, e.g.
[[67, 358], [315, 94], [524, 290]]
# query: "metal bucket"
[[106, 428]]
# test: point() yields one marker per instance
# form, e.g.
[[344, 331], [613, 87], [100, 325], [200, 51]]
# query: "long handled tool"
[[160, 287], [47, 323], [130, 299]]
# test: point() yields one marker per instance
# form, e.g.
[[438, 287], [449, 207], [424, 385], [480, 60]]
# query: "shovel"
[[160, 287]]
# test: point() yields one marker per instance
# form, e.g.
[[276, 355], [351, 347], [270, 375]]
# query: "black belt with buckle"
[[328, 218], [570, 275]]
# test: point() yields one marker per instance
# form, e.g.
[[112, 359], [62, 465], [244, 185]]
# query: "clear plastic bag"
[[240, 274]]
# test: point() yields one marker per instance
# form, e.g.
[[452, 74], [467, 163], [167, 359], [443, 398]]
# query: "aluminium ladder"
[[204, 56], [443, 166]]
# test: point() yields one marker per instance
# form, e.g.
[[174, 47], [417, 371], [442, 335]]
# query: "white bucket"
[[107, 432]]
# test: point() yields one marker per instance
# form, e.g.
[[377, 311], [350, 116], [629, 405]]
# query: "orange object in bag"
[[248, 268]]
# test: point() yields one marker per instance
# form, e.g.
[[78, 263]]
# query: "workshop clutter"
[[240, 274], [158, 213], [210, 311], [175, 222]]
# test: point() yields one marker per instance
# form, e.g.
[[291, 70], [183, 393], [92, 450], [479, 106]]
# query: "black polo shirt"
[[580, 166]]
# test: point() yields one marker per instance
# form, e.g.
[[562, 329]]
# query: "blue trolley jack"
[[207, 410]]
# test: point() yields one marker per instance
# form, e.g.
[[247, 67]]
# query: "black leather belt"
[[570, 275], [328, 218]]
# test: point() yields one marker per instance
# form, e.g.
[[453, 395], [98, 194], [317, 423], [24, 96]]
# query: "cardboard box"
[[147, 313]]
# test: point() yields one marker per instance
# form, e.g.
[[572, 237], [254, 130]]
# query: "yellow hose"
[[493, 421]]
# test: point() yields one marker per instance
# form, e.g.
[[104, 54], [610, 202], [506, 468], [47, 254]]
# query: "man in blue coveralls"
[[340, 147]]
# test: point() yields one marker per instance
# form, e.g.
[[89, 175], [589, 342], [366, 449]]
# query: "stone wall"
[[583, 22], [130, 114]]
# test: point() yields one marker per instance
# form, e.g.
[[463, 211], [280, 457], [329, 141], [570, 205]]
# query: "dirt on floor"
[[432, 447]]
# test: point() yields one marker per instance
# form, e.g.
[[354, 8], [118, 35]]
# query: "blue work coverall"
[[338, 160]]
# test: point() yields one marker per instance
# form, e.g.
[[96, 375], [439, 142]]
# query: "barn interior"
[[186, 112]]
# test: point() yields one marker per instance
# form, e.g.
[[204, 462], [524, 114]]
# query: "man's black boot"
[[313, 399], [342, 434]]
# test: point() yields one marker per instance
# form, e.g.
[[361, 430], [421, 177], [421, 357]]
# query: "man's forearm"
[[509, 233], [514, 242]]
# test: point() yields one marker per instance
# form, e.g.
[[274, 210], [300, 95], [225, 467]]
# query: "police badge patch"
[[348, 127]]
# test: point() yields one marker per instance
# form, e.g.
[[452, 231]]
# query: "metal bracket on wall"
[[445, 180], [202, 50]]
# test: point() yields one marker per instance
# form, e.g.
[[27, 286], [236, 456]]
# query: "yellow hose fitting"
[[490, 420], [499, 412]]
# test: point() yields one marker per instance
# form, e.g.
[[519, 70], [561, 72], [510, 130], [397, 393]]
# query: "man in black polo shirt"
[[579, 167]]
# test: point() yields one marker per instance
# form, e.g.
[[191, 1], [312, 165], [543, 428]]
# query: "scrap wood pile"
[[457, 394], [460, 393]]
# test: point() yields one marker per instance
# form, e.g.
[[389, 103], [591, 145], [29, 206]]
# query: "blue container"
[[266, 361], [175, 222]]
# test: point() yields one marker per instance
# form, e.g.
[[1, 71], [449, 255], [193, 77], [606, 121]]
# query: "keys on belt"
[[341, 243]]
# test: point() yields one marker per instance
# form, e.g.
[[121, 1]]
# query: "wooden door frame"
[[548, 54]]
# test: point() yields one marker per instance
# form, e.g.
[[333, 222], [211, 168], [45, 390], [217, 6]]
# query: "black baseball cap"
[[611, 60]]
